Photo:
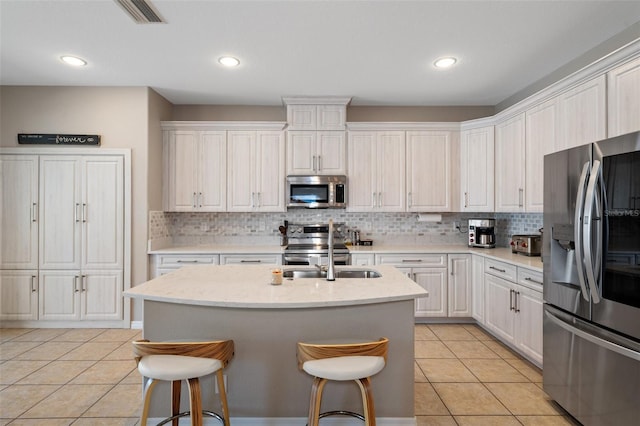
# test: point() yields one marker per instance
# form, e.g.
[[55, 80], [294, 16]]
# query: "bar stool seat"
[[342, 362], [177, 361]]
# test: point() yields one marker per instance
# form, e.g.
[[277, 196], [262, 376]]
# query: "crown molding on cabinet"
[[223, 125], [316, 100], [399, 125]]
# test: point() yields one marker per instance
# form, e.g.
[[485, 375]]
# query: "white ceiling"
[[378, 52]]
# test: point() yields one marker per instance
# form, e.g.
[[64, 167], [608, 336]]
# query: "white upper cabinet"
[[582, 114], [541, 138], [477, 169], [510, 165], [429, 171], [195, 170], [19, 224], [623, 85], [317, 117], [376, 171], [316, 152], [256, 171]]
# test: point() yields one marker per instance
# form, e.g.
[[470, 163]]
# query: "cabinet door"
[[59, 295], [510, 165], [529, 311], [302, 117], [241, 152], [623, 96], [541, 128], [19, 295], [212, 172], [362, 259], [331, 117], [477, 289], [102, 212], [301, 155], [270, 179], [19, 212], [434, 280], [331, 153], [498, 302], [251, 259], [429, 171], [182, 157], [583, 114], [477, 170], [459, 285], [362, 171], [101, 295], [60, 212], [390, 164]]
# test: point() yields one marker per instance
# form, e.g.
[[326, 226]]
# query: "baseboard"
[[137, 325], [295, 421]]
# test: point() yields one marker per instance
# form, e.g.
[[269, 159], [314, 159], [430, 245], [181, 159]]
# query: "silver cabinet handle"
[[497, 269], [186, 261], [199, 199], [511, 308], [411, 260], [76, 215], [532, 280], [83, 282], [315, 169], [319, 162], [466, 199], [84, 213], [34, 286], [452, 268], [253, 195], [34, 212], [193, 200], [75, 284], [517, 302], [251, 261], [520, 197]]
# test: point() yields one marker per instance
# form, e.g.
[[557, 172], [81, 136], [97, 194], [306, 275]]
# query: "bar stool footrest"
[[188, 413], [341, 413]]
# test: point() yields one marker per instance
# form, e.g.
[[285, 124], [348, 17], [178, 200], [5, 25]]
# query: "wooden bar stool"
[[349, 361], [177, 361]]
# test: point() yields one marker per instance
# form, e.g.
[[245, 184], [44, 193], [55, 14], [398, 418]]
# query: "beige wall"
[[123, 117], [354, 113]]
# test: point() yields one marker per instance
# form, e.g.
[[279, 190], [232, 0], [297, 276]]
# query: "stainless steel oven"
[[308, 244]]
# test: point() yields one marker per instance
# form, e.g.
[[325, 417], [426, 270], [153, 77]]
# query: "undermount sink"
[[341, 273]]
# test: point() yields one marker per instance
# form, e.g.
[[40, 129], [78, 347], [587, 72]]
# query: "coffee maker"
[[482, 233]]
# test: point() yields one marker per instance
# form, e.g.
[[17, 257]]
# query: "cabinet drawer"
[[412, 260], [530, 278], [251, 259], [176, 261], [501, 269]]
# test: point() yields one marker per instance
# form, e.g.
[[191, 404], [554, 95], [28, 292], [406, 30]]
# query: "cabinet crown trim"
[[316, 100], [399, 125], [223, 125]]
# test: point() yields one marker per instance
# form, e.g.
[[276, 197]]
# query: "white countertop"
[[242, 286], [501, 254]]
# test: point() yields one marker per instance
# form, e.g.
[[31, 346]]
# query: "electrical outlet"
[[226, 387], [456, 225]]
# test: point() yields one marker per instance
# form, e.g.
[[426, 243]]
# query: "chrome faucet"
[[331, 268]]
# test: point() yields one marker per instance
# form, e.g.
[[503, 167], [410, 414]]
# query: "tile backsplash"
[[382, 228]]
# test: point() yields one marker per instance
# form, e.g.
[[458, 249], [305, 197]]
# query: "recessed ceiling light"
[[445, 62], [73, 60], [229, 61]]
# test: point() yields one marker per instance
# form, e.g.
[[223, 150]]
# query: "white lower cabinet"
[[363, 259], [513, 312], [445, 278], [164, 263], [80, 295], [18, 295], [251, 259], [477, 289]]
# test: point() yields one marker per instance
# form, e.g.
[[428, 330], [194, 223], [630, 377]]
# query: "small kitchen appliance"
[[482, 233], [528, 245], [308, 244], [317, 192]]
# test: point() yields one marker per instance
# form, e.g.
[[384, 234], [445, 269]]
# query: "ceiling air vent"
[[141, 11]]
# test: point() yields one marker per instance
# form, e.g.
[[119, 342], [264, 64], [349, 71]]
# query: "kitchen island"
[[266, 321]]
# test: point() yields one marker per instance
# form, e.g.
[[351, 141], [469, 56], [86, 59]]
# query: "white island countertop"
[[242, 286]]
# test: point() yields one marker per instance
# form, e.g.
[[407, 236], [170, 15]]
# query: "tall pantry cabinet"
[[69, 214]]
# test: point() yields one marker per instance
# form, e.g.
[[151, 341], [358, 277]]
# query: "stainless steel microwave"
[[317, 191]]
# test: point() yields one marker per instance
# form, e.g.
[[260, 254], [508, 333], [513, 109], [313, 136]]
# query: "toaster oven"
[[528, 245]]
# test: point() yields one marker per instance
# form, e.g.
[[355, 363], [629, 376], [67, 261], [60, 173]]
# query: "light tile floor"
[[82, 377]]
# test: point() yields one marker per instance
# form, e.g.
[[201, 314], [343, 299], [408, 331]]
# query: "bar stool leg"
[[316, 400], [367, 401], [176, 387], [148, 389], [195, 401], [223, 397]]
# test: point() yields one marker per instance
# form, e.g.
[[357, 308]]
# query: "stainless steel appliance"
[[528, 245], [317, 192], [591, 255], [482, 233], [308, 244]]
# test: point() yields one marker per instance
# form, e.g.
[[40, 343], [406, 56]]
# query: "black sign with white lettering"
[[54, 139]]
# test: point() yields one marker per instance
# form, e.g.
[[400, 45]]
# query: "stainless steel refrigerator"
[[591, 258]]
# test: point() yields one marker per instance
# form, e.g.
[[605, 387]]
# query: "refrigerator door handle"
[[587, 237], [577, 227], [630, 353]]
